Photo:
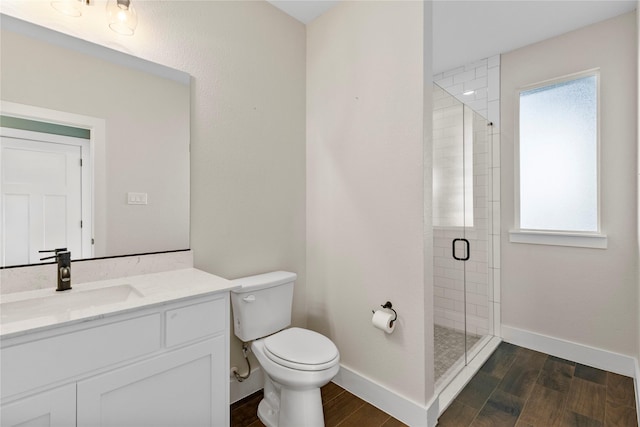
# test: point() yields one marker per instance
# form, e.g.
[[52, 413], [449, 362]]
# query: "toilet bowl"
[[296, 362], [292, 383]]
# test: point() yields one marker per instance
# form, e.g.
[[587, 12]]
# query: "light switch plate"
[[136, 198]]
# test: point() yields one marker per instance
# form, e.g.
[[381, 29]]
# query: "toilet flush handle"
[[250, 298]]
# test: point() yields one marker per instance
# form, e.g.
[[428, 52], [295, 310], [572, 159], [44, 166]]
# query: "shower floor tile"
[[449, 348]]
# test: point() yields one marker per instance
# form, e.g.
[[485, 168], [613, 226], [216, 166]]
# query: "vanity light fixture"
[[122, 17]]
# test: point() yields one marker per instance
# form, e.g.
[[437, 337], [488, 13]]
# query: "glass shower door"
[[477, 232], [461, 168]]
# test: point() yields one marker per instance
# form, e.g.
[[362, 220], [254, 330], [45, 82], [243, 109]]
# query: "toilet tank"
[[262, 305]]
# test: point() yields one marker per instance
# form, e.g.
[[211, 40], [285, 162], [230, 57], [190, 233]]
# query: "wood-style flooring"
[[523, 388], [341, 408], [515, 387]]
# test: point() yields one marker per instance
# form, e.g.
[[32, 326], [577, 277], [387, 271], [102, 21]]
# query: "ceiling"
[[464, 31]]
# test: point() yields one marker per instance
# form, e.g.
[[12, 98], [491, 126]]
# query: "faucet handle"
[[53, 250], [57, 251]]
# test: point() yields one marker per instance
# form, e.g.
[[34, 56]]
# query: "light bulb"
[[122, 16]]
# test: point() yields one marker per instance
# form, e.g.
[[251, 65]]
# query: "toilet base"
[[301, 408]]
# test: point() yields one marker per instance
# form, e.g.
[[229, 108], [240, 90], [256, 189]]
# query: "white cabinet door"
[[55, 408], [185, 388]]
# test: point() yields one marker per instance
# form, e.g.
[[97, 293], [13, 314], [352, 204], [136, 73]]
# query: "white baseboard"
[[240, 390], [586, 355], [399, 407]]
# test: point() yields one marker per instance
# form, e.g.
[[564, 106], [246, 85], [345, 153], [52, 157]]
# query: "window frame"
[[589, 239]]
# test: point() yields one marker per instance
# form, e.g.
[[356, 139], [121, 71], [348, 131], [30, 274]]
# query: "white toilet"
[[296, 362]]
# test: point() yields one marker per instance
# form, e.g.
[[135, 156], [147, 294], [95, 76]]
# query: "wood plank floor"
[[523, 388], [341, 408], [515, 387]]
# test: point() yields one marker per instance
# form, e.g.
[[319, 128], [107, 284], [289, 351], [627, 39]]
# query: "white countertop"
[[46, 308]]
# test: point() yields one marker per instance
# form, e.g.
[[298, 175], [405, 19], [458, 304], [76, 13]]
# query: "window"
[[557, 192]]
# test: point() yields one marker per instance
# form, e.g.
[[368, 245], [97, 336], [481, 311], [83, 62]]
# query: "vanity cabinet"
[[55, 407], [165, 365]]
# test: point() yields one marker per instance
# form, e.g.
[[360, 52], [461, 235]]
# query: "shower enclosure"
[[463, 211]]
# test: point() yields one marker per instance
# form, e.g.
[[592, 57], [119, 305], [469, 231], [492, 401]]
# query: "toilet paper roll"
[[382, 320]]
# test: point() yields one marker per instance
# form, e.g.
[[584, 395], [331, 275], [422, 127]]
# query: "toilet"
[[296, 361]]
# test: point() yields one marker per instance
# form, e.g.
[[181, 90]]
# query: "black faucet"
[[63, 256]]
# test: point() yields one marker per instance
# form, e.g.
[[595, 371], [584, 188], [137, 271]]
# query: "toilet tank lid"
[[262, 281]]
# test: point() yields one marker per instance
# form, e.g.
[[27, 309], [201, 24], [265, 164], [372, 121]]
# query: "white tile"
[[456, 314], [482, 311], [496, 284], [437, 77], [496, 251], [496, 218], [441, 321], [490, 251], [480, 179], [471, 309], [483, 113], [481, 71], [481, 93], [453, 72], [443, 303], [464, 76], [476, 83], [454, 295], [493, 108], [493, 83], [483, 289], [495, 150], [495, 190], [493, 61], [477, 104], [476, 64], [444, 82], [456, 89]]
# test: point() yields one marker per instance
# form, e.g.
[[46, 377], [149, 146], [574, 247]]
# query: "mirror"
[[137, 116]]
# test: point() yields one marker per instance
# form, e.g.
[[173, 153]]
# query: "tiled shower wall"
[[482, 77], [482, 270]]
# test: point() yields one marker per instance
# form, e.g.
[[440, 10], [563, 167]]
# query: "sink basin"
[[64, 302]]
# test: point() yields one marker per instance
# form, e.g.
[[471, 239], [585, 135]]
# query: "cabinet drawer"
[[195, 321], [45, 361]]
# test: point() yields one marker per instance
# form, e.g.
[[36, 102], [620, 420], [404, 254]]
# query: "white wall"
[[247, 60], [365, 189], [588, 296]]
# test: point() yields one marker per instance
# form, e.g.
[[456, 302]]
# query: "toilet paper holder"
[[390, 307]]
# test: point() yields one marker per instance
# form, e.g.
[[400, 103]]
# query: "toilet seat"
[[301, 349]]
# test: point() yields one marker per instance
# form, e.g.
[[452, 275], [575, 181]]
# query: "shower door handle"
[[467, 250]]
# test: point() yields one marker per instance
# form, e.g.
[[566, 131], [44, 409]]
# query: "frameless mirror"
[[66, 101]]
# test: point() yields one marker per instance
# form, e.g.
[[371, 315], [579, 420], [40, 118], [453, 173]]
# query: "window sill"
[[576, 240]]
